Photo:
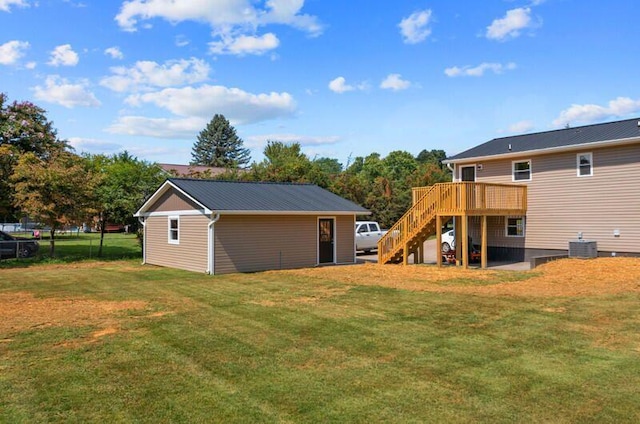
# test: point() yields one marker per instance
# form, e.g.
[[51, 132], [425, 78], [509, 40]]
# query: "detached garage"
[[221, 227]]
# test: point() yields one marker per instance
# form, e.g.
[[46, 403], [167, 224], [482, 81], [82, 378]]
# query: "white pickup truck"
[[367, 235]]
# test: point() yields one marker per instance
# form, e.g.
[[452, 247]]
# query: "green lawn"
[[75, 247], [276, 347]]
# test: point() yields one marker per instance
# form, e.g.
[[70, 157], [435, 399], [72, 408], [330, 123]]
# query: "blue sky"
[[344, 78]]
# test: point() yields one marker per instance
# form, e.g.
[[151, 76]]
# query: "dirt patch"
[[567, 277], [21, 311]]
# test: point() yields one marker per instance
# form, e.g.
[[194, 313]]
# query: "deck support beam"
[[439, 240], [465, 241], [483, 248]]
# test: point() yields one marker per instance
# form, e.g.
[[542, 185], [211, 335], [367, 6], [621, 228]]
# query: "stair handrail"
[[404, 228]]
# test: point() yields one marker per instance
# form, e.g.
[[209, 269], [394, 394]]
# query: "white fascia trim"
[[163, 189], [583, 146], [175, 213]]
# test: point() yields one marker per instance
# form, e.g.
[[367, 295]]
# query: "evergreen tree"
[[219, 145]]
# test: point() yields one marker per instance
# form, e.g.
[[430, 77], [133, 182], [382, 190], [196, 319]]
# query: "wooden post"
[[439, 240], [421, 252], [405, 255], [483, 249], [458, 235], [465, 241]]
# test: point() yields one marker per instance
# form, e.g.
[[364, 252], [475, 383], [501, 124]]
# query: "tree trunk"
[[52, 244], [102, 228]]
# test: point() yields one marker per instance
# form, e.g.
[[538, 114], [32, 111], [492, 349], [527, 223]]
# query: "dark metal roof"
[[264, 197], [565, 137]]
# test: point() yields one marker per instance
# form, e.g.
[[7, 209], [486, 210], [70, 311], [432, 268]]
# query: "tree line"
[[42, 177], [380, 184]]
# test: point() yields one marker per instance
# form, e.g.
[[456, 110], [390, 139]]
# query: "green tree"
[[431, 156], [219, 145], [57, 190], [23, 128], [123, 183], [283, 162]]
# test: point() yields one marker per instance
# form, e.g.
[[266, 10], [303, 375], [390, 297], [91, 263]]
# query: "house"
[[192, 171], [220, 227], [582, 183], [528, 196]]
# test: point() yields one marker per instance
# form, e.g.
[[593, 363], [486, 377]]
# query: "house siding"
[[561, 204], [173, 200], [249, 243], [346, 238], [191, 252]]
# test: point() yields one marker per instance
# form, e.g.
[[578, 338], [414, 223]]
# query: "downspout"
[[144, 239], [211, 260], [453, 172]]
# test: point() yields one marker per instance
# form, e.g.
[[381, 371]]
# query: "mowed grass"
[[120, 342]]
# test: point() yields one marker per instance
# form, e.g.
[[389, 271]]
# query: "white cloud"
[[478, 71], [182, 40], [395, 82], [339, 85], [224, 16], [258, 141], [590, 113], [5, 5], [521, 127], [415, 28], [93, 146], [59, 91], [510, 26], [63, 56], [244, 44], [145, 75], [114, 52], [12, 51], [238, 106], [158, 127]]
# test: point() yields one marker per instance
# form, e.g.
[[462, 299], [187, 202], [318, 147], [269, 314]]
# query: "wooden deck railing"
[[451, 199]]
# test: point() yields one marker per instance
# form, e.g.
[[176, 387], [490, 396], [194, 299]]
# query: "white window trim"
[[506, 226], [513, 170], [590, 154], [467, 165], [169, 239]]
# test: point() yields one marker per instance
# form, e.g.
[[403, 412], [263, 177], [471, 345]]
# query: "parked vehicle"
[[448, 241], [368, 233], [16, 247]]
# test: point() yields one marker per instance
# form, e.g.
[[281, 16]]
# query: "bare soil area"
[[567, 277], [20, 311]]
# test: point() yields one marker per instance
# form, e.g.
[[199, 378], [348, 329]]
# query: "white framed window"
[[584, 164], [521, 170], [514, 226], [174, 229]]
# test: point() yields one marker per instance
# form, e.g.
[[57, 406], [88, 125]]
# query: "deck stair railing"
[[447, 199]]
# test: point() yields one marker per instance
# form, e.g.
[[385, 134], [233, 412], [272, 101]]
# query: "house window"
[[584, 164], [522, 170], [515, 227], [174, 230]]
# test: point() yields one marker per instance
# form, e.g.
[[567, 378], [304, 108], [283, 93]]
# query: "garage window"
[[174, 230]]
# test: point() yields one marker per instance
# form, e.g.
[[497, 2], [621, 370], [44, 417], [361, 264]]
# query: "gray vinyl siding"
[[561, 204], [345, 239], [191, 252]]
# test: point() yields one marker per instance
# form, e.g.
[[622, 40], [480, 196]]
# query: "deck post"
[[458, 235], [439, 240], [483, 249], [465, 241], [405, 256]]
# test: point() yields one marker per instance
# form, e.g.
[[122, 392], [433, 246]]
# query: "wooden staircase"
[[415, 226], [447, 199]]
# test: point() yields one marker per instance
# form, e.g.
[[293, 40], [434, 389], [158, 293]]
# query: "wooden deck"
[[441, 201]]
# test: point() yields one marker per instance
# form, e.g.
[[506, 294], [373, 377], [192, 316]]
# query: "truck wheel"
[[445, 247]]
